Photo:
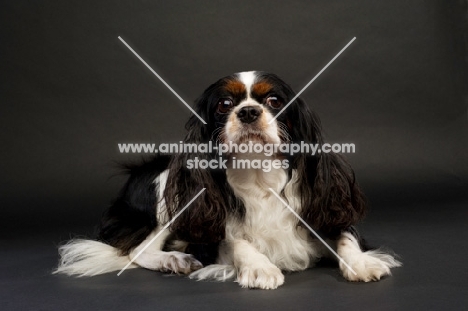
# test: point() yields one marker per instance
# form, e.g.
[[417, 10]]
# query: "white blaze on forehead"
[[248, 78]]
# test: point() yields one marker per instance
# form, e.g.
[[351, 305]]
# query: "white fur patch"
[[161, 212], [266, 241], [369, 266], [215, 272], [248, 78], [264, 276], [154, 258], [175, 262], [88, 258], [268, 225]]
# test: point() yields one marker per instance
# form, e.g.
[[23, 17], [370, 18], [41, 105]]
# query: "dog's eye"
[[274, 102], [225, 105]]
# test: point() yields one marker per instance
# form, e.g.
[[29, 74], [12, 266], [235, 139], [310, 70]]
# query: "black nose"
[[248, 114]]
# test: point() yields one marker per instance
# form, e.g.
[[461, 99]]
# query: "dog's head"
[[249, 107]]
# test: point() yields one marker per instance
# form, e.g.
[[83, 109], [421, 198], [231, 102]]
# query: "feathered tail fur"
[[81, 257]]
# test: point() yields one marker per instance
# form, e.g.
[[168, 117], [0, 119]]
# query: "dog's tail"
[[215, 272], [81, 257]]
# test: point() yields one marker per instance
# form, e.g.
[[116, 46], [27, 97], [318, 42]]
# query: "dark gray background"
[[70, 91]]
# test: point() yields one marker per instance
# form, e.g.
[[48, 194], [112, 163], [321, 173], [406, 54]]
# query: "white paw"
[[368, 266], [266, 276], [179, 263]]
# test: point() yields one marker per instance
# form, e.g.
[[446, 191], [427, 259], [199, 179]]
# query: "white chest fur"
[[268, 225]]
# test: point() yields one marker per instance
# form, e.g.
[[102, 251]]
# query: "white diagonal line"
[[313, 79], [162, 80], [312, 230], [160, 232]]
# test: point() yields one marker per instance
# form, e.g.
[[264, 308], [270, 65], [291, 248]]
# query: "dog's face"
[[242, 108], [246, 107]]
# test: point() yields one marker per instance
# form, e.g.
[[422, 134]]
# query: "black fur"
[[204, 221], [132, 216]]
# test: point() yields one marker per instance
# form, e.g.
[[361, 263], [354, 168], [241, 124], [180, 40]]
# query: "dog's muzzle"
[[249, 114]]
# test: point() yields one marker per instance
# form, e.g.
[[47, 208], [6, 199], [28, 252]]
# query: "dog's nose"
[[248, 114]]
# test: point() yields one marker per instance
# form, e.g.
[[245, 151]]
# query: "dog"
[[241, 224]]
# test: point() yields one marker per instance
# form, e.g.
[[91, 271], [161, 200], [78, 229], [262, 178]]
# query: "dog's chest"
[[268, 224]]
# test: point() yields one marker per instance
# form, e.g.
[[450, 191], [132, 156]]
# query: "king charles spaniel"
[[239, 227]]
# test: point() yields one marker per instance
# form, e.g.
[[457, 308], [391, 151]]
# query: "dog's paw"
[[264, 277], [368, 266], [179, 263]]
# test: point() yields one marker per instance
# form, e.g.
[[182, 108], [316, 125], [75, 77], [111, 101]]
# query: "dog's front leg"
[[363, 266], [254, 270]]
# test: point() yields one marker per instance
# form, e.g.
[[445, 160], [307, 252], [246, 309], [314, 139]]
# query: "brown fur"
[[235, 87], [261, 89]]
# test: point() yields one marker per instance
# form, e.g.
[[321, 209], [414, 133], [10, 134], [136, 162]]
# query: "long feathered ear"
[[204, 220], [331, 198]]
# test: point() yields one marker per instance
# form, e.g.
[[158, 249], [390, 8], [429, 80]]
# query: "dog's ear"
[[205, 219], [331, 199], [336, 200]]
